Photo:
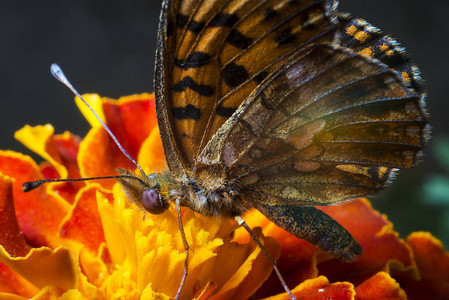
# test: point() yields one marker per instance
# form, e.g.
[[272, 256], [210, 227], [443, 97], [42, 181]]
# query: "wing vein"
[[292, 114], [273, 29], [371, 143]]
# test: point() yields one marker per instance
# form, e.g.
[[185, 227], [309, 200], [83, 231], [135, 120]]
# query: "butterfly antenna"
[[56, 71], [31, 185]]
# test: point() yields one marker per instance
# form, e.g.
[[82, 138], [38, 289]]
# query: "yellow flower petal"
[[151, 157], [7, 296], [36, 139], [72, 295], [239, 275], [43, 267], [149, 294], [96, 102]]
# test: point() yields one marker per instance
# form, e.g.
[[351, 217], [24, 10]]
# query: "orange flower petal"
[[151, 156], [94, 267], [433, 264], [297, 261], [12, 284], [207, 291], [380, 286], [431, 257], [240, 269], [7, 296], [39, 215], [319, 288], [99, 156], [43, 267], [382, 248], [260, 270]]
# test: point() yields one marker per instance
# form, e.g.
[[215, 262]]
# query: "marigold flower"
[[85, 240]]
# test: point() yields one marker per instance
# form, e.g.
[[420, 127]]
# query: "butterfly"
[[281, 106]]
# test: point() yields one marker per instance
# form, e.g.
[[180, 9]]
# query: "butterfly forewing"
[[365, 39], [215, 53], [162, 86]]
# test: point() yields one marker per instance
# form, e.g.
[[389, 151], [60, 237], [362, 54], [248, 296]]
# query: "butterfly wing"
[[331, 125], [213, 54], [162, 86], [249, 90], [292, 102], [365, 39], [313, 225]]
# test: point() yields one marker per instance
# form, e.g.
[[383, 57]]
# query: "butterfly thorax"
[[204, 193], [209, 195]]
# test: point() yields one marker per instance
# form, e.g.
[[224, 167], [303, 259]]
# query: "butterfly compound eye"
[[152, 202]]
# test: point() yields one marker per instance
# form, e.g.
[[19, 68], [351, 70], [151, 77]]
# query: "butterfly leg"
[[242, 223], [186, 247]]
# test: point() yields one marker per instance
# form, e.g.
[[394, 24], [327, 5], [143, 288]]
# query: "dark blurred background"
[[107, 47]]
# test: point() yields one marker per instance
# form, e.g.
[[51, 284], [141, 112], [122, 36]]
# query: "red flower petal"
[[60, 153], [84, 223], [431, 257], [319, 288], [296, 263], [382, 249], [66, 145], [99, 156], [39, 215], [131, 119], [10, 236]]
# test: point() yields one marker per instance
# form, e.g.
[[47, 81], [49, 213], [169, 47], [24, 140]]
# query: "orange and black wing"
[[211, 56], [363, 38]]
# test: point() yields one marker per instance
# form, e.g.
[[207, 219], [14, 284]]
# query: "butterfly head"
[[148, 192]]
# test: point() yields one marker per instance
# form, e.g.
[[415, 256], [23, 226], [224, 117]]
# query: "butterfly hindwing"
[[330, 125], [313, 225]]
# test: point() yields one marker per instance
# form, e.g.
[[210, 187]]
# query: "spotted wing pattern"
[[213, 54], [365, 39]]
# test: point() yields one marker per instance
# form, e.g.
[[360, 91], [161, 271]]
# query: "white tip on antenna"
[[56, 71]]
